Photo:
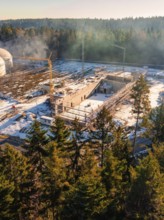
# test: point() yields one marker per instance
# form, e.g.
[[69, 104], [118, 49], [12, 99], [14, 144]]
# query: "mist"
[[22, 47]]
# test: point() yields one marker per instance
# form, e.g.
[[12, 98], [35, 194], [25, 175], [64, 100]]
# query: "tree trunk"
[[135, 133], [102, 155]]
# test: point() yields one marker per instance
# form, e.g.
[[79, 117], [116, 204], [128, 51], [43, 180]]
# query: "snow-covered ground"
[[86, 107], [156, 88], [76, 67], [6, 105], [19, 124], [125, 112], [13, 127], [124, 115], [35, 105]]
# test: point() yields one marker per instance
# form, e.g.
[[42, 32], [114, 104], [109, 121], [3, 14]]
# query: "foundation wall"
[[119, 78], [76, 98], [115, 85], [113, 101]]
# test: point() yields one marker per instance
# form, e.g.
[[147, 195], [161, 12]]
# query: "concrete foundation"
[[63, 103]]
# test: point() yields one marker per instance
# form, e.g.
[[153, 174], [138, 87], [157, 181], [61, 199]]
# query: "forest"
[[104, 40], [64, 175]]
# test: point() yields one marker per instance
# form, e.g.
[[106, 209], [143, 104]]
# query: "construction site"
[[84, 97], [37, 88]]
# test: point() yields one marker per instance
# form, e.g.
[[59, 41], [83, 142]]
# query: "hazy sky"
[[12, 9]]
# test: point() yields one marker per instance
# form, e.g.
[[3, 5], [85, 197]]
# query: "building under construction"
[[71, 95], [84, 97]]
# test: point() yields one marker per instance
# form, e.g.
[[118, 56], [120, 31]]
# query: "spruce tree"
[[157, 123], [146, 198], [86, 198], [6, 199], [36, 146], [60, 133], [141, 104], [55, 179], [120, 146], [76, 147], [158, 151], [14, 167], [37, 152], [104, 125], [122, 149], [117, 186]]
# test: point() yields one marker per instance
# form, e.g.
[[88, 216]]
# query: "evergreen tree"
[[60, 133], [120, 146], [15, 168], [86, 198], [104, 126], [37, 152], [6, 199], [141, 105], [55, 179], [158, 151], [146, 198], [117, 186], [76, 147], [157, 123], [122, 149], [37, 141]]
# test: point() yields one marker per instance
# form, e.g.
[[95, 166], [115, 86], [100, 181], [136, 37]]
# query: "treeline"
[[67, 175], [76, 24], [142, 38]]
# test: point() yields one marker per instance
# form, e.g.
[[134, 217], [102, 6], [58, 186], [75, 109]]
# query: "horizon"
[[85, 18], [75, 9]]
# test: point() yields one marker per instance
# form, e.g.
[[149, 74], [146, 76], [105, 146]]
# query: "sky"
[[105, 9]]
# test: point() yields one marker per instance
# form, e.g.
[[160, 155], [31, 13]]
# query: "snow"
[[37, 106], [86, 107], [125, 113], [18, 125], [75, 67], [155, 90], [160, 74], [6, 105], [125, 116], [94, 101], [13, 128]]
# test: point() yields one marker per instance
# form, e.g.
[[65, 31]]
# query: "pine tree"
[[104, 126], [141, 105], [146, 198]]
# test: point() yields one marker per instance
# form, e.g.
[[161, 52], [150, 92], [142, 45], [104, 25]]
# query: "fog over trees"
[[143, 39]]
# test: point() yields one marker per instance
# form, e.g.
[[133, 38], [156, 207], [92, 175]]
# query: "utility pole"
[[124, 53], [83, 54], [82, 48]]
